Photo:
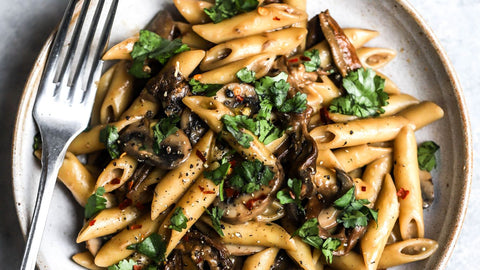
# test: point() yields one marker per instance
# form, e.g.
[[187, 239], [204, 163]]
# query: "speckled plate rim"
[[31, 86]]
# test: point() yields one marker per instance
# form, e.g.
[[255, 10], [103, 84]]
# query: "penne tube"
[[239, 250], [280, 42], [194, 41], [407, 251], [407, 181], [375, 58], [89, 141], [396, 103], [375, 238], [327, 159], [193, 204], [192, 10], [108, 221], [122, 50], [390, 86], [115, 249], [373, 177], [76, 178], [262, 19], [298, 4], [262, 260], [358, 156], [358, 37], [119, 94], [177, 181], [368, 130], [117, 172], [275, 145], [85, 259], [302, 254], [422, 114], [254, 233], [350, 261], [102, 88], [326, 89], [260, 64], [145, 104], [186, 62], [209, 109]]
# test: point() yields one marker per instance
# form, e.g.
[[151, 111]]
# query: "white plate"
[[420, 69]]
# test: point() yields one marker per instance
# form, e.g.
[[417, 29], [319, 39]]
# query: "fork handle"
[[52, 158]]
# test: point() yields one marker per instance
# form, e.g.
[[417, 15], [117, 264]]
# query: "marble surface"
[[25, 24]]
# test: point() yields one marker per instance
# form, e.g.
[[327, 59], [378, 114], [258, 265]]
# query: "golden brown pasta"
[[407, 251], [262, 260], [358, 156], [86, 260], [422, 114], [375, 58]]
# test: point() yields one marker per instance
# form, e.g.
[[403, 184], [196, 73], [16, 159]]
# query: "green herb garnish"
[[178, 221], [109, 137], [249, 176], [209, 90], [312, 61], [426, 155], [164, 128], [95, 203], [153, 247], [354, 212], [224, 9], [215, 215]]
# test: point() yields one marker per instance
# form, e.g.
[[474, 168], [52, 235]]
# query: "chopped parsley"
[[224, 9], [234, 124], [218, 175], [109, 137], [37, 142], [209, 90], [152, 46], [245, 75], [153, 247], [164, 128], [365, 96], [285, 196], [123, 265], [178, 221], [215, 215], [311, 60], [308, 232], [95, 203], [426, 155], [296, 104], [354, 212], [249, 176]]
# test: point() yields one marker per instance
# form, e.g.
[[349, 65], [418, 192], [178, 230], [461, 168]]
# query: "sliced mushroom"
[[193, 126], [245, 207], [239, 97], [428, 191], [344, 181], [138, 141], [315, 34], [163, 24], [343, 52], [169, 87]]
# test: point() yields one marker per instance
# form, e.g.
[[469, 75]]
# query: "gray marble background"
[[25, 24]]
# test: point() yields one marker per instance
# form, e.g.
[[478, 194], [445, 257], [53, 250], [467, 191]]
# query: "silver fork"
[[65, 98]]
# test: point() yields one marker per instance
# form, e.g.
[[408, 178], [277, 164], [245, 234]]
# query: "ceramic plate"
[[420, 69]]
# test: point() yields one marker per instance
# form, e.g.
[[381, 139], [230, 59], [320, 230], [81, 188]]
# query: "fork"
[[65, 98]]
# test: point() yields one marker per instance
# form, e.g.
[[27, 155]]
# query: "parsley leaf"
[[164, 128], [109, 137], [225, 9], [95, 203], [285, 197], [365, 96], [245, 75], [123, 265], [215, 215], [178, 221], [296, 104], [218, 175], [210, 90], [250, 175], [153, 247], [309, 234], [233, 124], [152, 46], [426, 155], [311, 60], [354, 212]]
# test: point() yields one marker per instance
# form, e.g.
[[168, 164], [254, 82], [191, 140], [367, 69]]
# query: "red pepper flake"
[[186, 238], [250, 203], [135, 226], [197, 77], [402, 193], [139, 206], [305, 58], [126, 203], [202, 189], [276, 18], [130, 185], [115, 181], [137, 267], [200, 155], [364, 188], [239, 98], [230, 192], [324, 116], [293, 60], [233, 163], [92, 222]]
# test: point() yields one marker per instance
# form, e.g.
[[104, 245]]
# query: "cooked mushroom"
[[343, 52], [169, 87], [199, 252], [192, 125], [344, 181], [163, 24], [238, 97], [426, 185], [138, 141], [315, 34]]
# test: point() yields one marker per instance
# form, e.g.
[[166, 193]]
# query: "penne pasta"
[[122, 50], [375, 58], [356, 157], [373, 177], [192, 10], [407, 251], [302, 254], [422, 114], [86, 260], [76, 178], [185, 62], [102, 88], [117, 172], [262, 260]]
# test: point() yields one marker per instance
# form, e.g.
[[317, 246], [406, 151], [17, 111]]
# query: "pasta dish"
[[241, 134]]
